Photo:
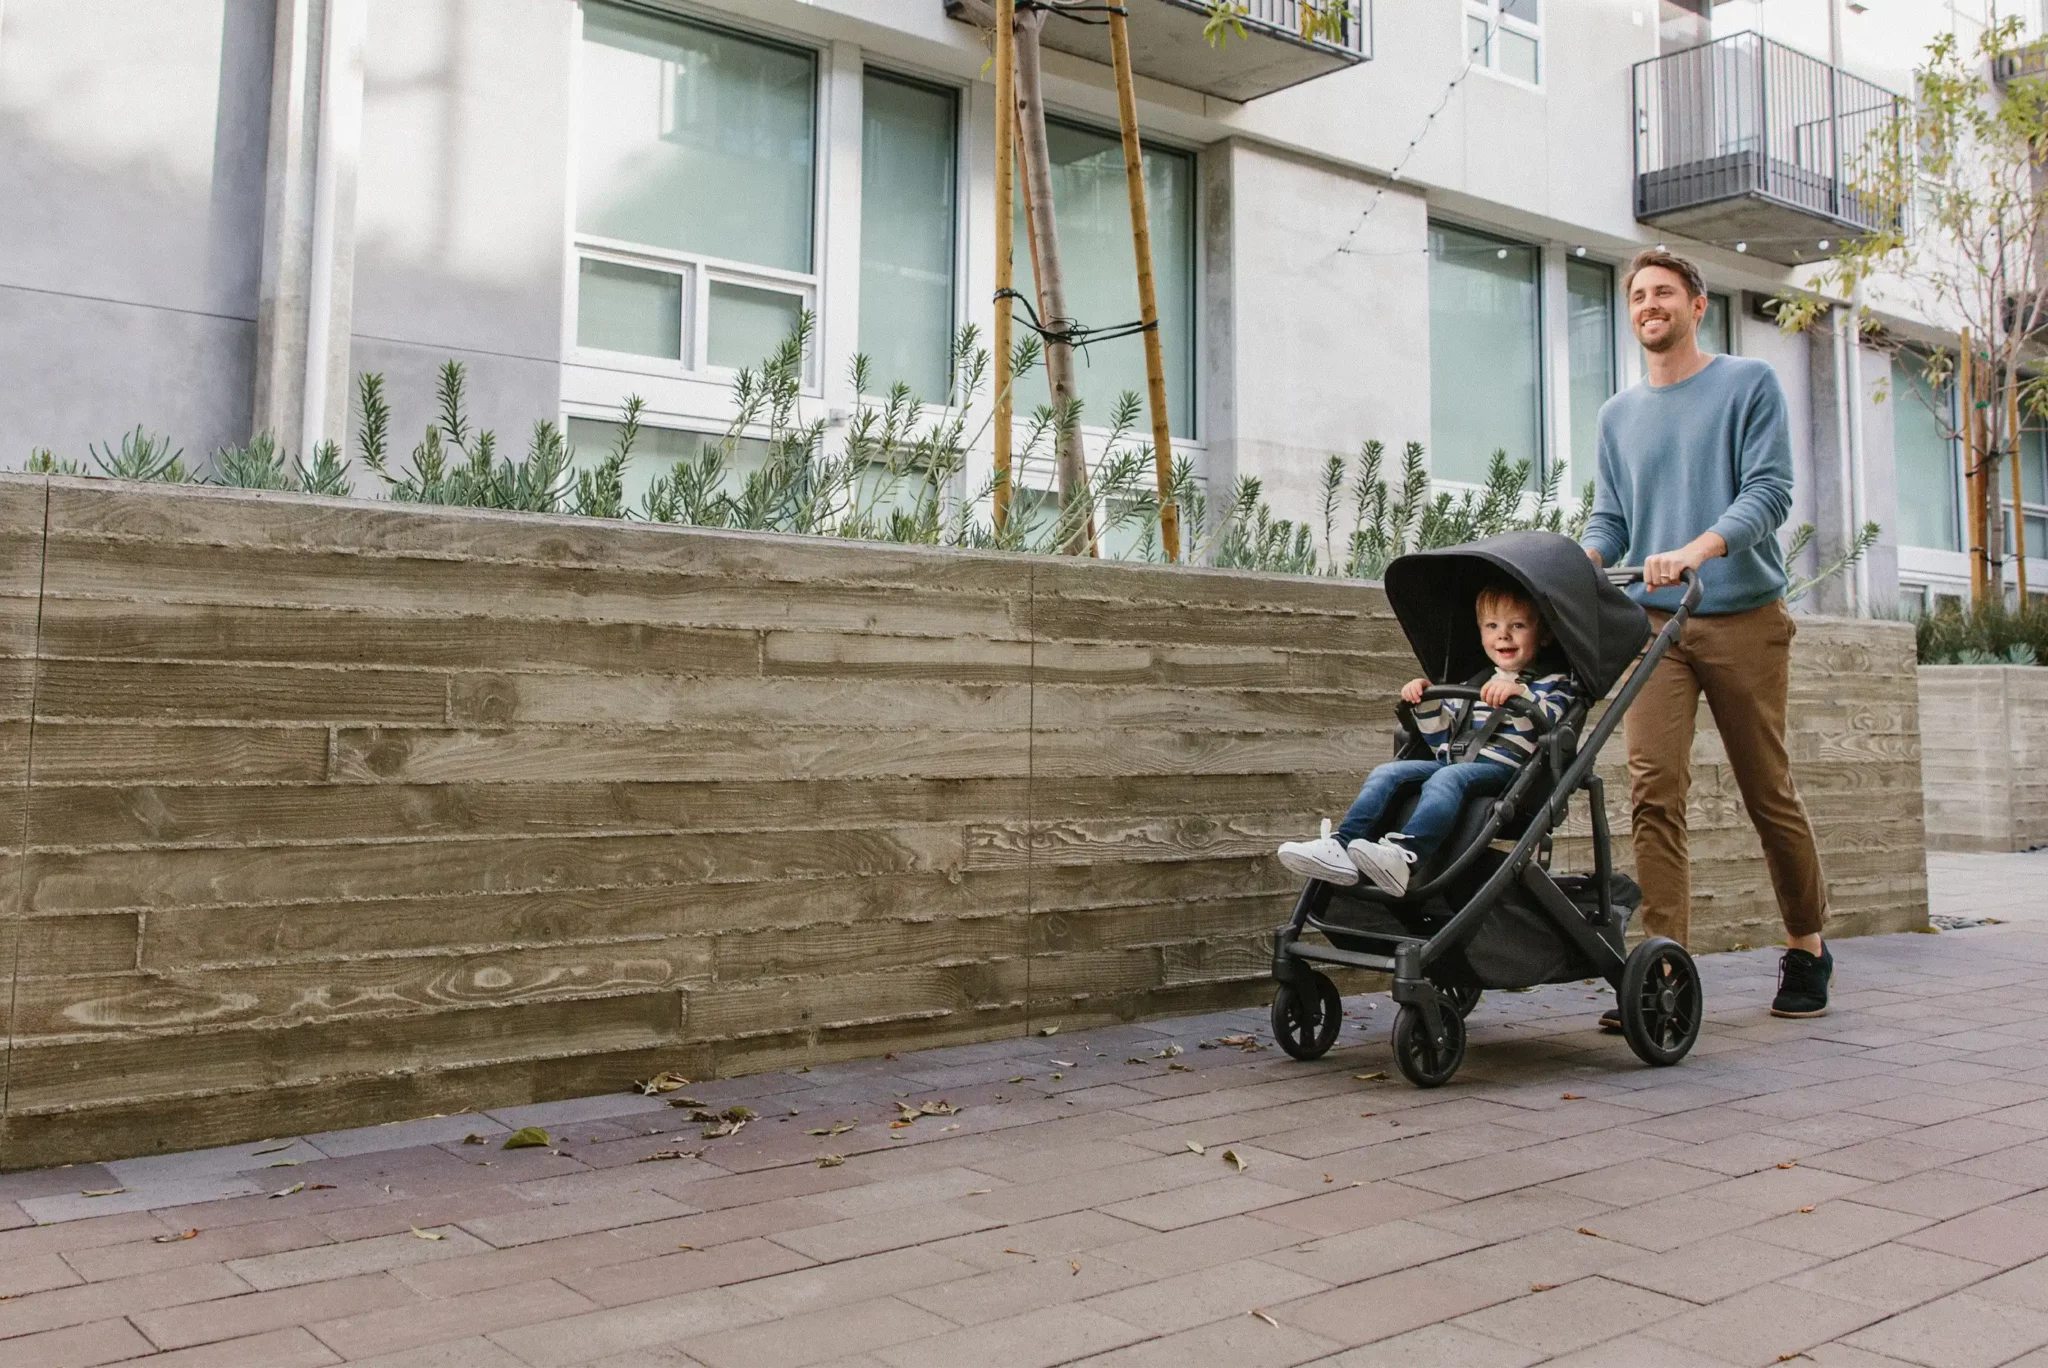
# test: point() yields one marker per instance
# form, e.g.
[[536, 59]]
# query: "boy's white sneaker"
[[1322, 858], [1386, 863]]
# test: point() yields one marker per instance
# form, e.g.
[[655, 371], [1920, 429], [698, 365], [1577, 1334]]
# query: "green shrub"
[[141, 456], [1987, 634], [261, 465], [456, 464]]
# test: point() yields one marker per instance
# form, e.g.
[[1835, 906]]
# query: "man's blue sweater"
[[1710, 453]]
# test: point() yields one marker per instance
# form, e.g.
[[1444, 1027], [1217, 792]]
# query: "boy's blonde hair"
[[1510, 594]]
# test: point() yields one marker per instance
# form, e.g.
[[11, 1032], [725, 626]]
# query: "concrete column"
[[839, 237], [1216, 334], [1557, 379], [1832, 508], [308, 259]]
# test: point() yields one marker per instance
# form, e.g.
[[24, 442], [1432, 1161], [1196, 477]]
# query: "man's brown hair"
[[1677, 265]]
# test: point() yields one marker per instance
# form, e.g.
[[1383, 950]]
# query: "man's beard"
[[1672, 334]]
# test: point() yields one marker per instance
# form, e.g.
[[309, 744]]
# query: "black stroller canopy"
[[1599, 628]]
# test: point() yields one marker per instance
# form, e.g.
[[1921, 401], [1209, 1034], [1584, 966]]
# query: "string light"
[[1379, 192]]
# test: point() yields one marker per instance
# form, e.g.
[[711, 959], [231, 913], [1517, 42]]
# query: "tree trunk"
[[1071, 456]]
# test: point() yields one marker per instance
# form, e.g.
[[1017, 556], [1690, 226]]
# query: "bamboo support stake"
[[1148, 303], [2019, 508], [1006, 137], [1071, 457], [1973, 479]]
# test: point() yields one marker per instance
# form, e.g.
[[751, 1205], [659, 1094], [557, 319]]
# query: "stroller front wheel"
[[1661, 1002], [1424, 1062], [1307, 1016]]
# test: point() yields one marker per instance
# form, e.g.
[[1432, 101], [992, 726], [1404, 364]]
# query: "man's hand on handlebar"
[[1411, 692], [1669, 567]]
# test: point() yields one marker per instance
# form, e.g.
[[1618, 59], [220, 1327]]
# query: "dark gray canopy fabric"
[[1596, 627]]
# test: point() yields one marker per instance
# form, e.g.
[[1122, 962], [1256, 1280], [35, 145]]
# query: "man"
[[1695, 473]]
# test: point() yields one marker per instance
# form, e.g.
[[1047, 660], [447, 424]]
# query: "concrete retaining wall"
[[1987, 757], [339, 812]]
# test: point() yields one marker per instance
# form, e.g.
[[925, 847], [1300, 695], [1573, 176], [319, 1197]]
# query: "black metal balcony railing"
[[1271, 52], [1286, 18], [1746, 140]]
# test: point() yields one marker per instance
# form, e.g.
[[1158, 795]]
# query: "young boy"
[[1512, 632]]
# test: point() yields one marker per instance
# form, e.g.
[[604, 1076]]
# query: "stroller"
[[1484, 911]]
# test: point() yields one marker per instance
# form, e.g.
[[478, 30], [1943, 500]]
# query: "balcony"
[[1750, 145], [1167, 43]]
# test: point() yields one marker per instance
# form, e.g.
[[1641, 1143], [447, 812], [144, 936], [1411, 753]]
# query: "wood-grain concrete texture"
[[1987, 760], [345, 811]]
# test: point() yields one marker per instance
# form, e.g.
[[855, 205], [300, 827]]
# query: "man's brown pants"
[[1743, 663]]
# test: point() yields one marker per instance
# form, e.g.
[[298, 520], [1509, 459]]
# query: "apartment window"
[[907, 174], [1924, 458], [1716, 335], [696, 172], [1589, 323], [1505, 36], [2033, 495], [1485, 353], [1098, 259]]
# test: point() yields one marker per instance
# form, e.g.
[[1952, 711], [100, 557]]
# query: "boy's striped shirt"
[[1515, 742]]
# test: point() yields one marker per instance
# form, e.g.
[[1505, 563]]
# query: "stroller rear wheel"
[[1423, 1061], [1661, 1003], [1307, 1016]]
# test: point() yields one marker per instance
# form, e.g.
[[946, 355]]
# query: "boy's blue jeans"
[[1444, 791]]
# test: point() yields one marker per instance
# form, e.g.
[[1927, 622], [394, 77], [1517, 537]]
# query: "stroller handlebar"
[[1622, 576]]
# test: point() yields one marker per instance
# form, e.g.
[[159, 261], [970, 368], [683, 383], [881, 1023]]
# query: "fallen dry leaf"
[[1025, 1252], [427, 1234], [663, 1082], [1572, 1097], [173, 1239], [719, 1129], [1063, 1063], [1329, 1178], [660, 1155], [274, 1149], [838, 1128], [978, 1192], [1806, 1211], [1023, 1078], [1790, 1163], [474, 1139], [1541, 1287], [526, 1137], [1198, 1148], [686, 1246], [1230, 1158], [1371, 1077], [1074, 1264], [101, 1192], [1168, 1053], [286, 1192], [831, 1160], [684, 1102], [1585, 1230], [1266, 1318], [1179, 1068], [1048, 1030]]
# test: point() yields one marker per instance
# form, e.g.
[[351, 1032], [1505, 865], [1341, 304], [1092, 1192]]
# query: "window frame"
[[962, 189], [1089, 123], [1547, 337], [2016, 510], [699, 269], [1493, 14]]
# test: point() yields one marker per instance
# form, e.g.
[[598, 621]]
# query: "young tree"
[[1959, 181]]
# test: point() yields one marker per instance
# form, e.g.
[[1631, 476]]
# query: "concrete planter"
[[1984, 756]]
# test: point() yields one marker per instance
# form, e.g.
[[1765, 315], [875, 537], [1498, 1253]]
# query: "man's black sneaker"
[[1610, 1021], [1803, 981]]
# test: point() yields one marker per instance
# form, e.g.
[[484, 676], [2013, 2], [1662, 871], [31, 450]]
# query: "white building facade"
[[219, 213]]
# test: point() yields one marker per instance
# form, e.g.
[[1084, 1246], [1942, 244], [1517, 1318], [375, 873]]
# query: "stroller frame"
[[1410, 958]]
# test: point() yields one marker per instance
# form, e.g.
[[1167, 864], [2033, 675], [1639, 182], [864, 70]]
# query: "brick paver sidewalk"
[[1866, 1189]]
